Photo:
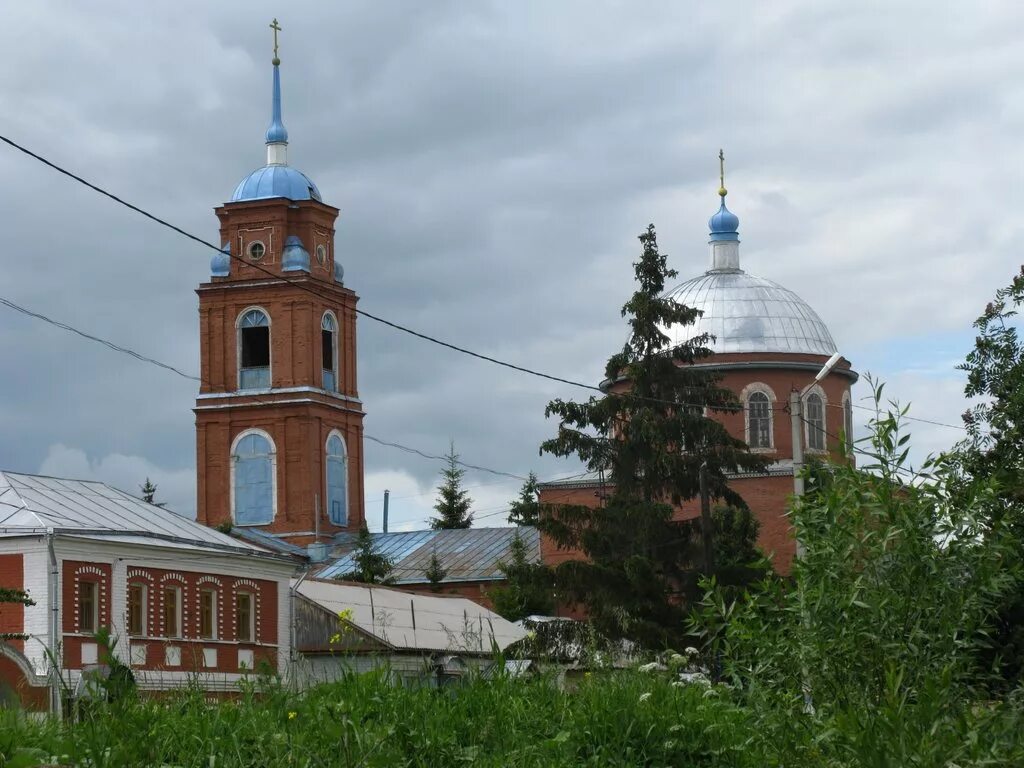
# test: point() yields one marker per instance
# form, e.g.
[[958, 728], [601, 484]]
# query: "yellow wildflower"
[[292, 715]]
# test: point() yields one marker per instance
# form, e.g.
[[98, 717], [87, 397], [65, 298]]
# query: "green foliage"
[[624, 719], [434, 573], [528, 588], [648, 435], [149, 493], [993, 455], [14, 597], [867, 658], [453, 502], [735, 537], [371, 567], [526, 509]]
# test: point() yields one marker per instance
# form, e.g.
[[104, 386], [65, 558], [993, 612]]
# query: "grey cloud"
[[493, 164]]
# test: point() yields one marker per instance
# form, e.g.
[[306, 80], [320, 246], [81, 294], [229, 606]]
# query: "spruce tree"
[[528, 587], [434, 573], [149, 493], [453, 501], [647, 436], [526, 509], [371, 567]]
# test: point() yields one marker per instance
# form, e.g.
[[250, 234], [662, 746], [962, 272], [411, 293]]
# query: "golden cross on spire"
[[721, 173], [277, 28]]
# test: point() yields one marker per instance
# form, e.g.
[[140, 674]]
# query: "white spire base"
[[277, 154], [725, 255]]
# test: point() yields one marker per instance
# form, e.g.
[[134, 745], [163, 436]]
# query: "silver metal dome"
[[750, 314]]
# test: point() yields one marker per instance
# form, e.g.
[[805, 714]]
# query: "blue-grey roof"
[[36, 504], [468, 554], [276, 181]]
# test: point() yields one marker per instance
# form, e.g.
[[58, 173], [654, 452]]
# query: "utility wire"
[[177, 371], [324, 296]]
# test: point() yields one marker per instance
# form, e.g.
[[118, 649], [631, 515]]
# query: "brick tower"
[[279, 435]]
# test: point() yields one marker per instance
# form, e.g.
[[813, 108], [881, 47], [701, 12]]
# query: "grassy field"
[[624, 719]]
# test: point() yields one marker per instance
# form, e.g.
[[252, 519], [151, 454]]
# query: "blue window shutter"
[[254, 481], [337, 481]]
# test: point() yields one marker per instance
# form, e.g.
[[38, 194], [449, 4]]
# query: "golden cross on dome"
[[721, 173], [277, 28]]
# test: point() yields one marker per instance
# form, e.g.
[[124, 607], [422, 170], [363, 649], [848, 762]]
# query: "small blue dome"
[[295, 257], [220, 264], [725, 224], [339, 273], [276, 181]]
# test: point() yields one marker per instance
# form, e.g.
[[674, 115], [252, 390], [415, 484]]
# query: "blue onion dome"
[[295, 258], [220, 264], [339, 273], [276, 181], [725, 224]]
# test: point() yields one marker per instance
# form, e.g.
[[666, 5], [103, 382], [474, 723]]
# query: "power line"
[[177, 371], [326, 297]]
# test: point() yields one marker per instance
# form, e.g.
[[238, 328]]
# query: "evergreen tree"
[[526, 509], [149, 493], [528, 590], [648, 436], [371, 567], [434, 573], [453, 501]]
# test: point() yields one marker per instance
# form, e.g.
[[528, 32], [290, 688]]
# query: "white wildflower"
[[691, 651], [644, 697], [648, 667]]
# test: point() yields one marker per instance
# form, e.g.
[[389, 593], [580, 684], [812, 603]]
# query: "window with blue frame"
[[254, 350], [254, 480], [329, 345], [337, 480]]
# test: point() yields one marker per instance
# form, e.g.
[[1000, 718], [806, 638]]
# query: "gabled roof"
[[36, 504], [410, 622], [467, 554]]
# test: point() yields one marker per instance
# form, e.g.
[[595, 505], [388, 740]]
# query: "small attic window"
[[257, 250]]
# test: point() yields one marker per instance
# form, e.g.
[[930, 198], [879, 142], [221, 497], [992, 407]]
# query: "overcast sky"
[[494, 163]]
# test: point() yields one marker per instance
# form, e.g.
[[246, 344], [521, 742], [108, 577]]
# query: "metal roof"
[[407, 621], [782, 468], [745, 313], [33, 504], [468, 554]]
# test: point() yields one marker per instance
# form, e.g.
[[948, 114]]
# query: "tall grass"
[[623, 719]]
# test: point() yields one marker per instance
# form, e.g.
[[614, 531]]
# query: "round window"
[[257, 250], [321, 254]]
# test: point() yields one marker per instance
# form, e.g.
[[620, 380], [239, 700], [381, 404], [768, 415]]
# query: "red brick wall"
[[31, 698], [767, 496], [299, 429], [12, 615], [265, 606]]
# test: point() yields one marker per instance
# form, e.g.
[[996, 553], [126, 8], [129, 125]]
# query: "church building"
[[766, 342], [279, 422]]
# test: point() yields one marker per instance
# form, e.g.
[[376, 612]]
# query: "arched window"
[[815, 422], [254, 488], [329, 344], [337, 480], [759, 420], [254, 350]]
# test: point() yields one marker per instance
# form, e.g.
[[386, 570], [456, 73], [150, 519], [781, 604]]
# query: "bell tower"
[[279, 423]]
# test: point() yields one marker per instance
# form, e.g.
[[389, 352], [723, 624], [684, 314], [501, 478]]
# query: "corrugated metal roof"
[[415, 622], [36, 503], [468, 554]]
